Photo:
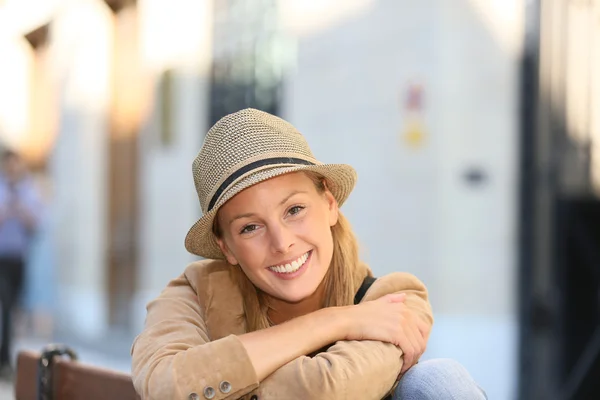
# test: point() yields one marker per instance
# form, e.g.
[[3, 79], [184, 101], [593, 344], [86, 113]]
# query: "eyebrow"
[[248, 215], [295, 192]]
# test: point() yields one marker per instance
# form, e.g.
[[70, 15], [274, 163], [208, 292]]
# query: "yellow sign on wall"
[[413, 132]]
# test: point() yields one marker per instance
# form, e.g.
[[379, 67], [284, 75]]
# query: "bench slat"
[[26, 382], [72, 380]]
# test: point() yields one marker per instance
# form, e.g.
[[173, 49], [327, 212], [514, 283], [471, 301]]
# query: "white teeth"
[[292, 267]]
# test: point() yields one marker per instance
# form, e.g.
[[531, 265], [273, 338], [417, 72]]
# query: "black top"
[[363, 288]]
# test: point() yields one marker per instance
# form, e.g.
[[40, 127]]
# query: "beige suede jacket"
[[189, 348]]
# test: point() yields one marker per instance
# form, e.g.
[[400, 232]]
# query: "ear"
[[228, 254], [332, 207]]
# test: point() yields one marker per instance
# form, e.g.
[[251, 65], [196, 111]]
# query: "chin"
[[296, 297]]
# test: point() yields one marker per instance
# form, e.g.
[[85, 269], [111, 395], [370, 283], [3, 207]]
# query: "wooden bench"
[[47, 376]]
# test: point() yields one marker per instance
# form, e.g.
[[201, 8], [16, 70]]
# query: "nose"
[[282, 239]]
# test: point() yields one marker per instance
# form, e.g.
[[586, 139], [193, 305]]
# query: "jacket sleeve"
[[350, 369], [173, 357]]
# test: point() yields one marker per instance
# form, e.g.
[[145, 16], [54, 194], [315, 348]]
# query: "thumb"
[[397, 297]]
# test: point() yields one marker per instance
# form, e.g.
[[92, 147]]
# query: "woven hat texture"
[[243, 149]]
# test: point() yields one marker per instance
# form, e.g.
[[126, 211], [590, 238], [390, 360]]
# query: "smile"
[[291, 267]]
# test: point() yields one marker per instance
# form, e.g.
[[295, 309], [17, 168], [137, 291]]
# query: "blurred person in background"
[[282, 307], [19, 207], [36, 316]]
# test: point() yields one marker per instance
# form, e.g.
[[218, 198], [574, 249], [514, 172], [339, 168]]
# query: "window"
[[248, 57]]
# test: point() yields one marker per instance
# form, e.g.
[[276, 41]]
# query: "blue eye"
[[295, 210]]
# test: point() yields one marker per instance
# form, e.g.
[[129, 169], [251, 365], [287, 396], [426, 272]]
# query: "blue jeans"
[[438, 379]]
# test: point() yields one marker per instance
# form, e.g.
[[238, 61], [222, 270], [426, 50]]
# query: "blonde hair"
[[342, 280]]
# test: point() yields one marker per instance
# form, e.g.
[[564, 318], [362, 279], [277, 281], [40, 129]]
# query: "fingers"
[[395, 297], [422, 343], [408, 352], [412, 346], [414, 341], [424, 328]]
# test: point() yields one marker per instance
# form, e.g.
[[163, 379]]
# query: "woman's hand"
[[388, 319]]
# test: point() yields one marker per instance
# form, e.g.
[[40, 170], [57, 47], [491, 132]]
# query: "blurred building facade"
[[560, 213], [440, 203], [421, 97], [118, 156]]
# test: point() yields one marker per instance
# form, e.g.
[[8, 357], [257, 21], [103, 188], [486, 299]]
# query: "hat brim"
[[200, 239]]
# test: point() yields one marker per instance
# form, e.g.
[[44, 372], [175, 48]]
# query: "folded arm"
[[174, 357], [351, 369]]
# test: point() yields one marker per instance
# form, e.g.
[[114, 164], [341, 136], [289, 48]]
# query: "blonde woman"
[[271, 313]]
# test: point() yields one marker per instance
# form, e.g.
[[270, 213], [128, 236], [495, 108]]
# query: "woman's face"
[[279, 232]]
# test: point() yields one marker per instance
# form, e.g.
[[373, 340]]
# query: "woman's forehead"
[[273, 190]]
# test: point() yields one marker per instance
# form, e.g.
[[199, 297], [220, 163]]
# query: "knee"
[[439, 379], [438, 368]]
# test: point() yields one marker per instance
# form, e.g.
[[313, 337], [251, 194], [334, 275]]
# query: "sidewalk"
[[113, 354]]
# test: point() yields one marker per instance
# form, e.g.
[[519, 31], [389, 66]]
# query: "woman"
[[270, 314]]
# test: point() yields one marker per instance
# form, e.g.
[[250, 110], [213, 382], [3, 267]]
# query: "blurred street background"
[[474, 126]]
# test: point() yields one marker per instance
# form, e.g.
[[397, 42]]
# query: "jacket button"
[[193, 396], [209, 392], [225, 387]]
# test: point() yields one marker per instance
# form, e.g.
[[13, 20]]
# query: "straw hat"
[[243, 149]]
